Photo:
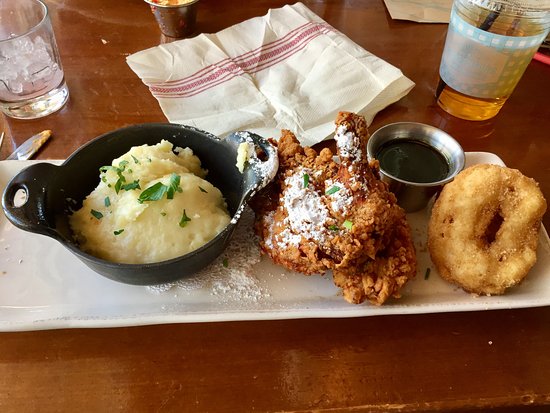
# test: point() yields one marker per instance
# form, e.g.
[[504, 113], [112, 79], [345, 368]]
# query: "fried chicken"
[[320, 214]]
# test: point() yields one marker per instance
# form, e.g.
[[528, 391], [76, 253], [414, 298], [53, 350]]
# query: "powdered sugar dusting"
[[230, 275], [340, 198], [349, 145], [287, 238], [307, 213], [238, 285], [264, 171]]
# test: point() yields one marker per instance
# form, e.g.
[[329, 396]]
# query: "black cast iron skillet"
[[52, 192]]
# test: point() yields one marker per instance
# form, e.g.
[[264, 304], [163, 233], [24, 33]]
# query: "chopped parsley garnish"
[[131, 186], [163, 213], [107, 202], [348, 224], [427, 275], [153, 193], [96, 214], [120, 183], [332, 190], [225, 263], [184, 219], [136, 160], [203, 190], [118, 232], [333, 227], [157, 191], [306, 180], [174, 186]]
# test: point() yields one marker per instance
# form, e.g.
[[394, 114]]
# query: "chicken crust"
[[319, 215]]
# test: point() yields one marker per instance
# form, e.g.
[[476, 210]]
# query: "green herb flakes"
[[119, 183], [153, 193], [163, 213], [184, 219], [306, 180], [348, 225], [136, 160], [225, 262], [96, 214], [107, 202], [332, 190], [333, 227], [118, 232], [157, 191], [131, 186], [174, 186], [203, 190]]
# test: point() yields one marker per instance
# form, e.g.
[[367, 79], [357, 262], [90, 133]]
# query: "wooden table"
[[438, 362]]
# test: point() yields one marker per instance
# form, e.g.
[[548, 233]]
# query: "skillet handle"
[[28, 212]]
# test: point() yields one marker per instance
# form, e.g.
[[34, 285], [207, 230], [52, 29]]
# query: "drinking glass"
[[489, 45], [32, 82]]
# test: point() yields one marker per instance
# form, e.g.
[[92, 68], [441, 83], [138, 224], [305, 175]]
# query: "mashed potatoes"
[[151, 205]]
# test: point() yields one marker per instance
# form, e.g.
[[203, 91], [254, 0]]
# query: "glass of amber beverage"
[[488, 47]]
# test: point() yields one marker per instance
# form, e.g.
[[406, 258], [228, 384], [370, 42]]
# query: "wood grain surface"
[[474, 362]]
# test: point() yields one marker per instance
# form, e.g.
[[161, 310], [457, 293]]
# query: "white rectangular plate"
[[43, 286]]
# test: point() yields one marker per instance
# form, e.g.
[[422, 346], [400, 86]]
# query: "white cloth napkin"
[[288, 69], [422, 11]]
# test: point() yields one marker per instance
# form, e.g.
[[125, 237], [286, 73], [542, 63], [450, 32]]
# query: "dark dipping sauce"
[[413, 161]]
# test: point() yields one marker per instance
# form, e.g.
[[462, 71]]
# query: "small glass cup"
[[32, 82], [489, 45]]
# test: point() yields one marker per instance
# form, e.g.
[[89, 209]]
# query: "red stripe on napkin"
[[228, 61], [250, 62]]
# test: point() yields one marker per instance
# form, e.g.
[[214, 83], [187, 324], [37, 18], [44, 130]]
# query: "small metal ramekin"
[[175, 20], [414, 196]]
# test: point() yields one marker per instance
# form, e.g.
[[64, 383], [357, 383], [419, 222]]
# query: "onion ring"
[[484, 226]]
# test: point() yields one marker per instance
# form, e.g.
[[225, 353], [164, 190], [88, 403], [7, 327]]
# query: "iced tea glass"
[[489, 45], [32, 82]]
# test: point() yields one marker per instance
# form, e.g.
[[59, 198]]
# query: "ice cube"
[[43, 74], [26, 66], [23, 45], [15, 86]]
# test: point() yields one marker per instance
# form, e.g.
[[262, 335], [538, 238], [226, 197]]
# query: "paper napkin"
[[422, 11], [286, 70]]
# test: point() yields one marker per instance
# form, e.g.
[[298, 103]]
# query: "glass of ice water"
[[32, 83]]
